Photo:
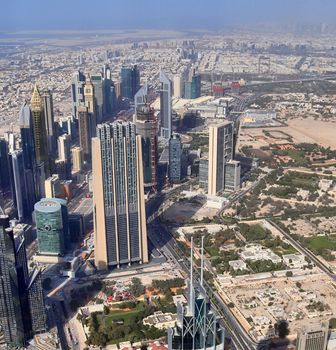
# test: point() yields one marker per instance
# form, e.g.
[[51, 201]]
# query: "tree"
[[136, 287], [106, 310], [289, 274]]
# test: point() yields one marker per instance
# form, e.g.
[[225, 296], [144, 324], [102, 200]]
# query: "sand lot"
[[302, 130]]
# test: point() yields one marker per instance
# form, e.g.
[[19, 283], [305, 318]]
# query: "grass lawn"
[[323, 242], [122, 314]]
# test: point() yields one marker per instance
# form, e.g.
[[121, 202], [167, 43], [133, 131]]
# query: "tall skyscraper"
[[27, 136], [109, 92], [39, 130], [97, 82], [175, 155], [177, 86], [52, 186], [197, 325], [10, 306], [119, 204], [51, 216], [165, 106], [140, 98], [84, 127], [130, 81], [220, 152], [146, 127], [19, 317], [77, 91], [4, 166], [313, 337], [48, 109], [90, 103]]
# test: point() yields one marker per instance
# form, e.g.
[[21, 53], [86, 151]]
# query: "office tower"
[[175, 154], [90, 103], [63, 169], [177, 86], [64, 148], [165, 106], [117, 89], [4, 166], [52, 186], [203, 173], [97, 82], [77, 91], [313, 337], [220, 152], [195, 86], [36, 303], [22, 204], [197, 325], [130, 81], [77, 159], [232, 175], [146, 127], [187, 90], [39, 130], [76, 227], [48, 109], [140, 98], [109, 92], [66, 125], [10, 305], [40, 177], [118, 194], [51, 217], [84, 131], [10, 137]]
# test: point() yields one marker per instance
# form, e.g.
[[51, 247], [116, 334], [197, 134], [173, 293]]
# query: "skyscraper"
[[130, 81], [177, 86], [10, 306], [109, 92], [64, 148], [175, 154], [19, 316], [313, 337], [220, 152], [39, 130], [27, 136], [4, 166], [119, 204], [90, 103], [84, 131], [48, 109], [51, 216], [195, 86], [165, 106], [140, 98], [97, 82], [77, 159], [146, 127], [77, 91], [197, 326]]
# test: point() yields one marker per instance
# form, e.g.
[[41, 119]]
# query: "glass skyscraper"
[[51, 216], [175, 154], [165, 106], [130, 81], [118, 193]]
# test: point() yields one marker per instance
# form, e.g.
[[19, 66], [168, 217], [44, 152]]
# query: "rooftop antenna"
[[202, 260]]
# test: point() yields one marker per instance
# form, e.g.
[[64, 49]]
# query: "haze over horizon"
[[154, 14]]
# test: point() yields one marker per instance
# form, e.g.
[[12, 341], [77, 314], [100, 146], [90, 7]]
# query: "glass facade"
[[175, 153]]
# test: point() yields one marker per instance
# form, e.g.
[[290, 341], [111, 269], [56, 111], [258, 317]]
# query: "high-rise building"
[[165, 106], [177, 86], [48, 109], [146, 127], [18, 316], [195, 86], [84, 126], [63, 169], [64, 147], [313, 337], [109, 92], [51, 217], [52, 187], [130, 81], [232, 175], [11, 320], [220, 152], [197, 326], [89, 97], [140, 98], [77, 91], [39, 130], [77, 159], [4, 166], [97, 82], [118, 194], [203, 173], [36, 303], [22, 204], [175, 154], [66, 125]]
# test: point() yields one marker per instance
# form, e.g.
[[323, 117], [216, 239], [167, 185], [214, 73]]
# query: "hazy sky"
[[165, 14]]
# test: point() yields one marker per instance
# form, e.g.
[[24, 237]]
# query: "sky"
[[159, 14]]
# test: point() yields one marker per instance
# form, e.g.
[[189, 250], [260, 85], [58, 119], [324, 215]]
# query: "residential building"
[[165, 106], [77, 159], [177, 86], [97, 82], [52, 186], [64, 147], [77, 91], [84, 126], [119, 204], [220, 152]]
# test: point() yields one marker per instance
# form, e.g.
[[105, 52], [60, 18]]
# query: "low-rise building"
[[160, 320], [238, 265]]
